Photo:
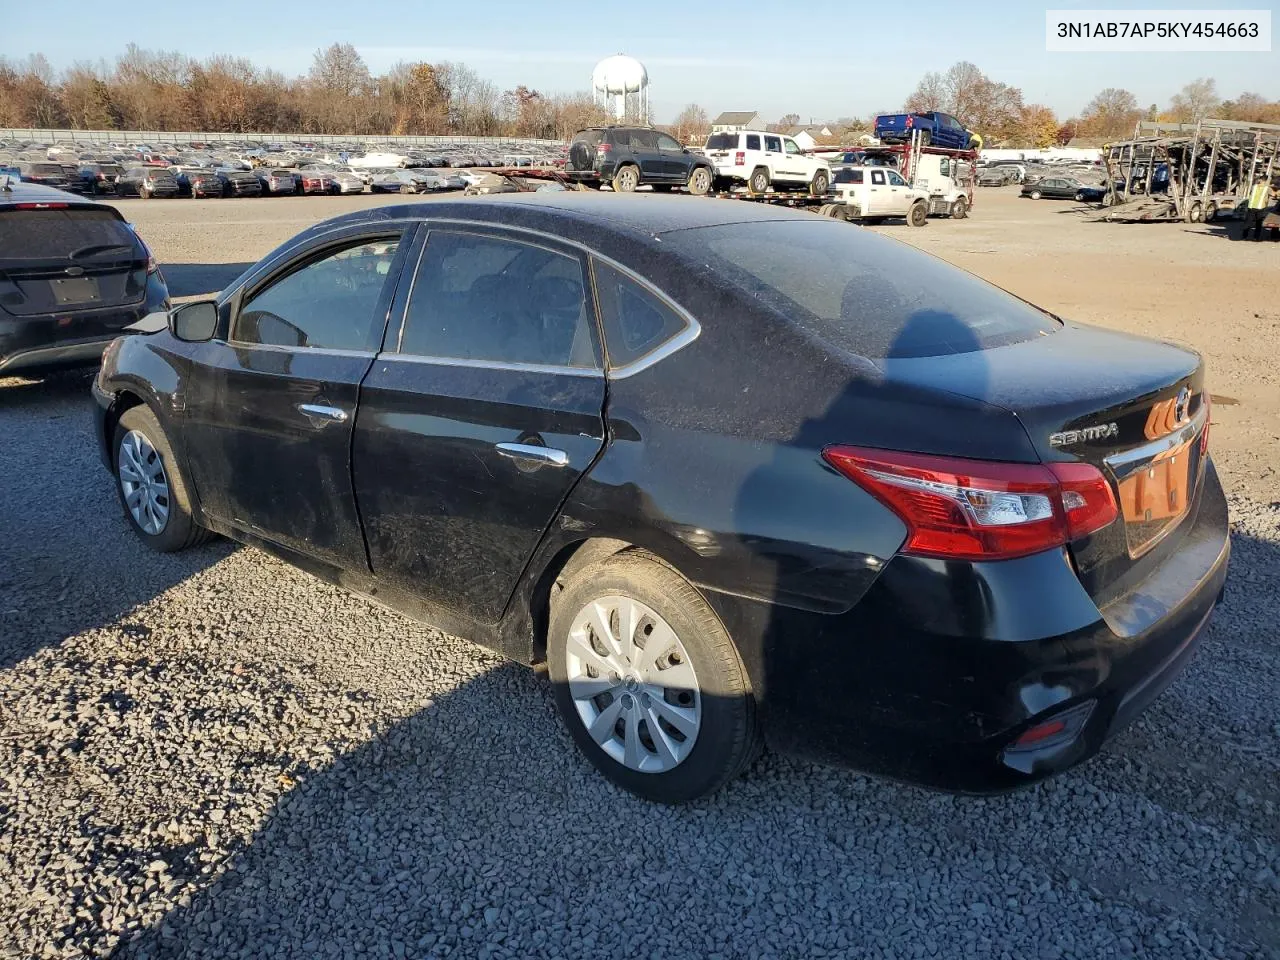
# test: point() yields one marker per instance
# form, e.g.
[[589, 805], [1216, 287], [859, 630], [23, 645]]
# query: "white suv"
[[763, 160]]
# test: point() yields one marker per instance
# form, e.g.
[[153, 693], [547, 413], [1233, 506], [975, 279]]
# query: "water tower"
[[620, 77]]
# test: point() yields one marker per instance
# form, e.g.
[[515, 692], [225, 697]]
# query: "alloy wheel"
[[633, 684], [144, 482]]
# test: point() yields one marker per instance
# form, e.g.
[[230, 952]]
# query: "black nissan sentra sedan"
[[736, 474]]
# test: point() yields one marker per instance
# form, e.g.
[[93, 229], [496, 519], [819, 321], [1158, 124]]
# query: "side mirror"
[[194, 322]]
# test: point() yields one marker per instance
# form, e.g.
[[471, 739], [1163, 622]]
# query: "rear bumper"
[[52, 341], [935, 674]]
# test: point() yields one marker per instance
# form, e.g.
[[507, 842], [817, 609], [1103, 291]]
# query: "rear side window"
[[861, 293], [722, 141], [330, 303], [753, 141], [487, 298], [636, 322], [64, 234]]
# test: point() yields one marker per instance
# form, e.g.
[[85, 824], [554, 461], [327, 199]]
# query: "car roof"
[[38, 193], [626, 213]]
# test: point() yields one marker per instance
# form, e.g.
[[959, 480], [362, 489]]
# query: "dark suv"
[[73, 277], [628, 157]]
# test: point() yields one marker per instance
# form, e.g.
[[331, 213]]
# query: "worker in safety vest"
[[1261, 197]]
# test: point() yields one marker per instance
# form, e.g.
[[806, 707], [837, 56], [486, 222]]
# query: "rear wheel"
[[758, 183], [1196, 212], [626, 179], [819, 184], [144, 192], [699, 181], [960, 209], [150, 486], [917, 215], [648, 681]]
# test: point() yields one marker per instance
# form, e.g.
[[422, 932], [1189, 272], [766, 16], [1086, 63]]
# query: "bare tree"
[[1111, 113], [691, 124], [1197, 100], [930, 94]]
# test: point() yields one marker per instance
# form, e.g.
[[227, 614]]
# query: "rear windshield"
[[57, 234], [46, 169], [847, 176], [722, 141], [862, 293], [590, 136]]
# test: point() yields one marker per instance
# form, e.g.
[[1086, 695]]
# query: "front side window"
[[877, 177], [636, 322], [485, 298], [668, 143], [329, 303], [773, 144], [896, 180], [791, 146]]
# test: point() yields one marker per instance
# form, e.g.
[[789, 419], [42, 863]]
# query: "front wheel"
[[960, 209], [917, 215], [151, 487], [700, 181], [648, 681], [626, 180], [758, 184]]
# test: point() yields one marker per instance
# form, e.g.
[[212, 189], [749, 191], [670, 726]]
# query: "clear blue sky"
[[722, 54]]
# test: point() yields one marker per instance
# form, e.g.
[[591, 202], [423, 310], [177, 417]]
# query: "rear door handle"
[[534, 454], [319, 412]]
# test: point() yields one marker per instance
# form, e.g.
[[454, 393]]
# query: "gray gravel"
[[214, 755]]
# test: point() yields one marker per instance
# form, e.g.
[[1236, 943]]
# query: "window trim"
[[691, 332], [589, 291]]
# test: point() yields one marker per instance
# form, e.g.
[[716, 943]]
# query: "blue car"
[[937, 129]]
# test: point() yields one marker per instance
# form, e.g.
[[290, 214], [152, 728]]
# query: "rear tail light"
[[961, 509], [739, 159], [40, 206], [604, 148]]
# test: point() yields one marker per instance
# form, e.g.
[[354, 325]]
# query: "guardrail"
[[199, 136]]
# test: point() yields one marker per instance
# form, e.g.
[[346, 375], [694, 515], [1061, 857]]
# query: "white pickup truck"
[[763, 160], [878, 193]]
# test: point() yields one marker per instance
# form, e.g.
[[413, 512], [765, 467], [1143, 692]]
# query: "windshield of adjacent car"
[[862, 293]]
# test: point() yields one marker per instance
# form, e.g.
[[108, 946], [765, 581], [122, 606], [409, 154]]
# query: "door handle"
[[321, 412], [534, 454]]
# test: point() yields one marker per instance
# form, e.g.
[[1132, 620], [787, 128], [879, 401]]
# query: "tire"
[[758, 182], [1210, 212], [1035, 194], [819, 185], [626, 179], [1196, 213], [144, 193], [918, 215], [140, 449], [707, 692], [699, 181], [960, 209]]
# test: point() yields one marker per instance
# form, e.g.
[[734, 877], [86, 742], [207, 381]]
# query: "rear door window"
[[491, 299], [644, 140], [773, 144], [636, 321], [877, 178]]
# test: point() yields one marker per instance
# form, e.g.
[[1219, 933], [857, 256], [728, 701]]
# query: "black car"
[[73, 275], [197, 182], [238, 183], [727, 469], [1059, 188], [48, 174], [147, 182], [99, 178], [629, 157]]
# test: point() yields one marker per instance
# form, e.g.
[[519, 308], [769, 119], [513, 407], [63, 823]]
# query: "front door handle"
[[534, 454], [319, 412]]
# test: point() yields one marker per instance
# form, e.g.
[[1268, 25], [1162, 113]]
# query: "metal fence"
[[200, 136]]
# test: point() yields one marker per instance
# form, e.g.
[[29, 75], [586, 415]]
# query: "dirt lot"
[[214, 755]]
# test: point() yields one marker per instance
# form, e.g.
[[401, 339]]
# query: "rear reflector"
[[959, 509], [1065, 726]]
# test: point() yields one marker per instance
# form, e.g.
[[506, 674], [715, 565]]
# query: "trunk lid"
[[1132, 407], [66, 259]]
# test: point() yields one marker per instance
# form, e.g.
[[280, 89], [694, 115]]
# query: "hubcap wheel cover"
[[144, 483], [633, 685]]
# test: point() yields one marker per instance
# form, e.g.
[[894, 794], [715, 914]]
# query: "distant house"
[[806, 137], [731, 121]]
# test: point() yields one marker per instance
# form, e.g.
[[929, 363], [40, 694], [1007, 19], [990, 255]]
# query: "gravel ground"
[[214, 755]]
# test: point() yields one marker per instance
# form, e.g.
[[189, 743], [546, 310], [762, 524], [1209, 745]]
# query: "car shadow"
[[68, 559], [1232, 229], [200, 279]]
